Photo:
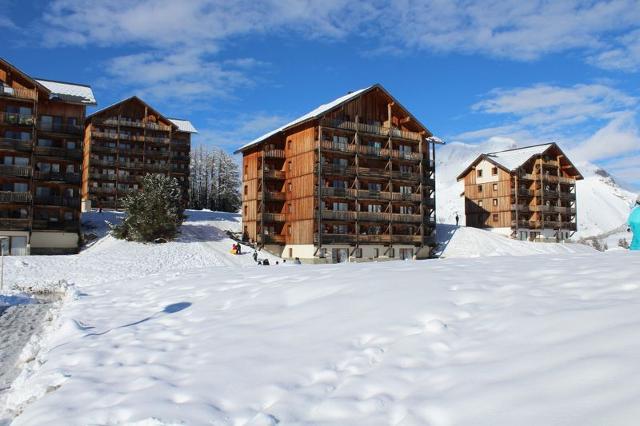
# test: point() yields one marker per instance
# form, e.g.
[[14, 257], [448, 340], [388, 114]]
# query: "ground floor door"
[[339, 255], [406, 253]]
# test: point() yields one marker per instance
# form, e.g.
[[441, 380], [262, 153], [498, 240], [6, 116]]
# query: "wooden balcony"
[[522, 192], [370, 129], [407, 239], [102, 190], [64, 128], [96, 147], [15, 119], [339, 215], [104, 163], [103, 176], [410, 176], [14, 224], [373, 239], [16, 171], [373, 195], [58, 177], [335, 238], [520, 207], [274, 153], [405, 155], [18, 93], [157, 139], [271, 217], [338, 147], [15, 197], [126, 122], [338, 192], [373, 172], [271, 239], [56, 200], [374, 216], [156, 154], [16, 144], [155, 167], [68, 226], [272, 174], [337, 170], [406, 218], [275, 195], [400, 196], [49, 151], [558, 179]]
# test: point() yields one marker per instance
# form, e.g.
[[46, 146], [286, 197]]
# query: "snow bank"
[[473, 242]]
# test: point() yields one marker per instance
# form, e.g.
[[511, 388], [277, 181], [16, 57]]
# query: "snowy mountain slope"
[[602, 204], [440, 342]]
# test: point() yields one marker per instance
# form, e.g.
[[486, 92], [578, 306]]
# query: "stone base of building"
[[54, 242], [338, 253], [542, 235]]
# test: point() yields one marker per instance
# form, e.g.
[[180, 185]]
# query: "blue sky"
[[473, 72]]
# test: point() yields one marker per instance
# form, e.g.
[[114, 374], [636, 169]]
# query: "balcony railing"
[[337, 169], [338, 215], [56, 200], [406, 218], [15, 197], [49, 151], [522, 192], [341, 147], [156, 154], [406, 155], [18, 171], [103, 176], [274, 153], [126, 122], [271, 217], [71, 226], [102, 190], [57, 176], [400, 196], [558, 179], [95, 147], [275, 195], [338, 192], [16, 144], [370, 129], [373, 195], [335, 238], [396, 174], [15, 224], [273, 174], [520, 207], [100, 162], [65, 128], [374, 216], [373, 172], [272, 239], [18, 93], [406, 238], [11, 118]]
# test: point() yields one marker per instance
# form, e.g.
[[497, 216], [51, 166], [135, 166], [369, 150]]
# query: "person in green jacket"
[[634, 226]]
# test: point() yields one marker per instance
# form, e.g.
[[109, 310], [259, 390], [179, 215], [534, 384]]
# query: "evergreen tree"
[[154, 212]]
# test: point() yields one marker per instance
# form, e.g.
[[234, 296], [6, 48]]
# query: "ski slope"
[[186, 333]]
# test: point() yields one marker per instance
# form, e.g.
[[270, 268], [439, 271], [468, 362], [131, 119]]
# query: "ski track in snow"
[[185, 333]]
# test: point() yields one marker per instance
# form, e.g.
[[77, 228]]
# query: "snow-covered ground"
[[186, 333]]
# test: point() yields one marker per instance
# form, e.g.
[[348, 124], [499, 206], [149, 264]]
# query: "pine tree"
[[215, 180], [154, 212]]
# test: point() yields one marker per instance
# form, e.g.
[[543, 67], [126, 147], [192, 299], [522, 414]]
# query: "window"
[[342, 207], [246, 209], [374, 208], [376, 253], [392, 252], [495, 201], [479, 188], [290, 187], [405, 190], [495, 187], [290, 253], [374, 187], [246, 190], [289, 144], [289, 229], [289, 166], [495, 217], [358, 253], [494, 171], [479, 172], [480, 203]]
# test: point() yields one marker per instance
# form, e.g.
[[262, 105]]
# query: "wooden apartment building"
[[41, 128], [352, 180], [124, 142], [528, 193]]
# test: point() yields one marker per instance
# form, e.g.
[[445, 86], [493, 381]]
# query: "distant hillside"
[[603, 205]]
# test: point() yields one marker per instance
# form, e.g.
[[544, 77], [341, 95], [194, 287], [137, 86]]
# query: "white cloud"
[[595, 122], [235, 132], [624, 56]]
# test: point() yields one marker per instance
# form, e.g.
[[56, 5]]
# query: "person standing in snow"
[[634, 226], [457, 219]]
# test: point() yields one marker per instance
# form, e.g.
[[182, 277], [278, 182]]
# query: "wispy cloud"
[[595, 122], [624, 55]]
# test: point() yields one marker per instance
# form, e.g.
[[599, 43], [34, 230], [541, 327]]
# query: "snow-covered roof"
[[308, 116], [183, 125], [511, 159], [70, 91]]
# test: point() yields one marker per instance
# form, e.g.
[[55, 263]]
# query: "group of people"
[[236, 249]]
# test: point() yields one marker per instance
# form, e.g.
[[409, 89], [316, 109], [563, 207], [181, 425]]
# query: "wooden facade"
[[534, 200], [41, 163], [123, 143], [359, 173]]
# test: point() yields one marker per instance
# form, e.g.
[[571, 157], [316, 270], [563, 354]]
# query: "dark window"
[[479, 172], [495, 217], [479, 188], [246, 190], [494, 171]]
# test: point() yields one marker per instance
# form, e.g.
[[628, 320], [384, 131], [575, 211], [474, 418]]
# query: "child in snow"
[[634, 226]]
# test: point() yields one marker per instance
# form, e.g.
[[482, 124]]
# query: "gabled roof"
[[184, 125], [19, 71], [323, 109], [510, 159], [135, 99], [70, 92]]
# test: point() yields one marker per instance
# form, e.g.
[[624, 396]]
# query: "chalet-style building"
[[41, 128], [528, 193], [124, 142], [351, 180]]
